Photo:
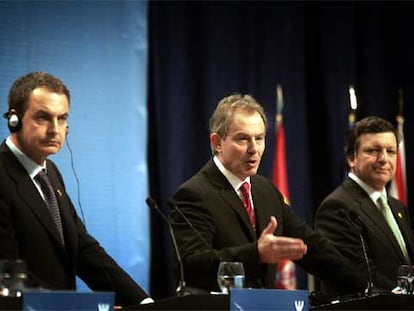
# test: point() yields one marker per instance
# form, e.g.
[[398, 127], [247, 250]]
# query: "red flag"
[[398, 187], [285, 277], [280, 177]]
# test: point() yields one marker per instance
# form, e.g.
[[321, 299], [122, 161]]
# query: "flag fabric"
[[285, 274], [398, 187], [280, 177]]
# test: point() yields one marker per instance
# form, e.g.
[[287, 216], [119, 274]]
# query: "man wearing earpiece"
[[38, 222]]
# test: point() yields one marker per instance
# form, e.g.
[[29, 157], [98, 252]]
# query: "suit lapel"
[[227, 192], [28, 192], [263, 214], [400, 217], [373, 218], [69, 228]]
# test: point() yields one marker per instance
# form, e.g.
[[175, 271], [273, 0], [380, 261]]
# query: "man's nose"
[[53, 125], [252, 145], [383, 155]]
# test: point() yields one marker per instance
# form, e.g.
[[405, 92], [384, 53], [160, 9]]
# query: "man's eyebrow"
[[43, 111]]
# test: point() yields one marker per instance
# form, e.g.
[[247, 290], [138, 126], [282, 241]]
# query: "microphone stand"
[[174, 206], [181, 289], [370, 285]]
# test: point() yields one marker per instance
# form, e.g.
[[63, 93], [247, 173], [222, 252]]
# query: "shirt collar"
[[372, 193], [30, 166], [235, 181]]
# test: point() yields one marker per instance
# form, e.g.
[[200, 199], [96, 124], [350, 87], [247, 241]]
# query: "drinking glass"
[[405, 279], [13, 277], [230, 275]]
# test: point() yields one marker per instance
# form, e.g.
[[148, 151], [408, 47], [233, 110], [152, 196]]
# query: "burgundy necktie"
[[51, 201], [245, 191]]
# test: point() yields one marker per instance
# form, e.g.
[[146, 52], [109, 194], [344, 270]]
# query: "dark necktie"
[[51, 201], [245, 191]]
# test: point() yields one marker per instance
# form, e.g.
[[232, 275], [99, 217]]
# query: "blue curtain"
[[99, 49]]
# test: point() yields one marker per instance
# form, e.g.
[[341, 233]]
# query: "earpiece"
[[67, 130], [13, 122]]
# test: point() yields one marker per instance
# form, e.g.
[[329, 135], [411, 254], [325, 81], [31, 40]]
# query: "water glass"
[[405, 279], [13, 277], [230, 275]]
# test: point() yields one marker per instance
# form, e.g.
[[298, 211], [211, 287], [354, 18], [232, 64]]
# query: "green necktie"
[[389, 217]]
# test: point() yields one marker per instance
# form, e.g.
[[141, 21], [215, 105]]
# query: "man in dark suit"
[[54, 248], [260, 236], [355, 207]]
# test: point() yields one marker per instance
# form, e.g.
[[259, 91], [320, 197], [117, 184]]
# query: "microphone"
[[181, 290], [351, 217]]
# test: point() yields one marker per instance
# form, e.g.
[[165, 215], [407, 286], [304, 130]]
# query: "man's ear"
[[215, 141], [350, 161]]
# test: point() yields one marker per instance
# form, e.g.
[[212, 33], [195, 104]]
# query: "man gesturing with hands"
[[276, 248], [241, 216]]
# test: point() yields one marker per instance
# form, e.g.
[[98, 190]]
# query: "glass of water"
[[405, 279], [13, 277], [230, 274]]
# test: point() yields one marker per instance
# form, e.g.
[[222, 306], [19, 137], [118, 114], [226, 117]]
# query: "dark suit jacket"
[[384, 253], [27, 232], [216, 211]]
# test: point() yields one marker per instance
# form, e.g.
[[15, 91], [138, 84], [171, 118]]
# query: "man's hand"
[[273, 249]]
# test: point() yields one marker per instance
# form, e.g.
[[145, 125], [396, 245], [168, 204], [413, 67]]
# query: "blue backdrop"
[[99, 49]]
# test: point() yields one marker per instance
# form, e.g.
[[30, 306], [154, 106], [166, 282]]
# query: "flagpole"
[[400, 115], [285, 269], [398, 186], [353, 105], [280, 177], [279, 106]]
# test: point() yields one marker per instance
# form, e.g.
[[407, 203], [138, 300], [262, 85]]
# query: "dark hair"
[[23, 87], [367, 125]]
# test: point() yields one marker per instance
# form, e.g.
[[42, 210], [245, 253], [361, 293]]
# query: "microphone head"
[[343, 214], [150, 202], [153, 205], [171, 203], [350, 215], [354, 216]]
